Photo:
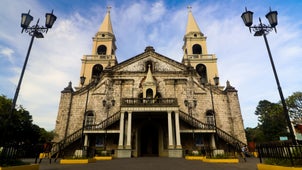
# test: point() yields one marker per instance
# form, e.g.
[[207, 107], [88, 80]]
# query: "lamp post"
[[190, 104], [262, 30], [82, 81], [34, 31], [107, 106], [216, 82]]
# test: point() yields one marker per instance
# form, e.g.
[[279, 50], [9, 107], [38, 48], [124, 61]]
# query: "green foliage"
[[223, 156], [12, 162], [272, 122], [17, 131], [17, 127], [294, 103], [271, 119], [100, 151], [45, 136], [296, 155], [254, 135], [282, 162]]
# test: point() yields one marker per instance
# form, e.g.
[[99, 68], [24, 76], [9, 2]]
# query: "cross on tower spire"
[[108, 9]]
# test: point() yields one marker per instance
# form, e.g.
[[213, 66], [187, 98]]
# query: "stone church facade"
[[149, 105]]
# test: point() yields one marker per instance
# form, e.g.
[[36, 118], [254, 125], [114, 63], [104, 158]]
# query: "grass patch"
[[283, 162], [12, 162], [223, 156]]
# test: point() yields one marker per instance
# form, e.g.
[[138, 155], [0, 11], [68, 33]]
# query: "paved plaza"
[[151, 163]]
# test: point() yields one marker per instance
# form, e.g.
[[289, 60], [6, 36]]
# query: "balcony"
[[202, 56], [97, 57], [137, 102]]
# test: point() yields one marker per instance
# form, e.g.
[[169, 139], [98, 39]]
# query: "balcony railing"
[[149, 102], [97, 57], [104, 124], [202, 56]]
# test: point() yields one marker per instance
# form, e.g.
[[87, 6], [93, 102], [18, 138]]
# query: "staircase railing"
[[104, 124], [230, 139], [195, 122], [221, 133], [56, 147]]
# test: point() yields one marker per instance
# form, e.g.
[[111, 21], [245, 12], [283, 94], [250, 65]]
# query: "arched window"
[[102, 50], [89, 118], [210, 117], [97, 70], [201, 69], [149, 94], [196, 49]]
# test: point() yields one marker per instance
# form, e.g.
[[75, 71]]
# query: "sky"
[[55, 59]]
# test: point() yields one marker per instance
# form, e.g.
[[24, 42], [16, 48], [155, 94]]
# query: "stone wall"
[[126, 83]]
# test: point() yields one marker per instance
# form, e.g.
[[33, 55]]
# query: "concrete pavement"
[[151, 163]]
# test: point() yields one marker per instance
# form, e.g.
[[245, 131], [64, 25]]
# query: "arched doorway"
[[149, 140]]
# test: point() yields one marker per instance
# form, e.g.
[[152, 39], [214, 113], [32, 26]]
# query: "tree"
[[294, 104], [271, 119], [18, 133], [254, 134], [17, 127], [6, 126], [46, 136]]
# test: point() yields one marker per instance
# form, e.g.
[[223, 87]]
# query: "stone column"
[[213, 142], [86, 144], [86, 141], [121, 136], [129, 125], [170, 131], [177, 131]]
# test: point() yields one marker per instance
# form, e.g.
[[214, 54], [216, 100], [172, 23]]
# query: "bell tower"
[[195, 51], [103, 51]]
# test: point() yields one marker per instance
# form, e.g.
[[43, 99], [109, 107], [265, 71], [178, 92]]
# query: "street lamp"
[[92, 82], [216, 82], [34, 31], [262, 30], [190, 104], [107, 106], [82, 81]]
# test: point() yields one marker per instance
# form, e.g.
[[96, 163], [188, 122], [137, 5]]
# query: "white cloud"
[[6, 52], [156, 12]]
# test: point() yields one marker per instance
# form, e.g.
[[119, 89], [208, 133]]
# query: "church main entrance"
[[149, 139]]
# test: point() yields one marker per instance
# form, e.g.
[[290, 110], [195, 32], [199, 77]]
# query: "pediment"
[[160, 63]]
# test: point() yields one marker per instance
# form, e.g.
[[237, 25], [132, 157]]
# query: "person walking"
[[243, 152]]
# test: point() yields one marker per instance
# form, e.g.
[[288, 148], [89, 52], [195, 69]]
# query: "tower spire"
[[195, 50], [191, 24], [106, 25], [189, 8], [103, 51]]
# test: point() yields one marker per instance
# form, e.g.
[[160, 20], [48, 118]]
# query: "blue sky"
[[55, 60]]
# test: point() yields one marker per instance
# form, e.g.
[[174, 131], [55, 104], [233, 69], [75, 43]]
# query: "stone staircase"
[[237, 144], [59, 146]]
